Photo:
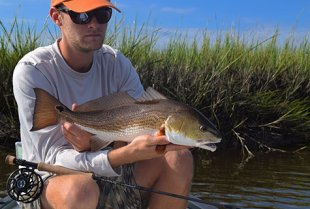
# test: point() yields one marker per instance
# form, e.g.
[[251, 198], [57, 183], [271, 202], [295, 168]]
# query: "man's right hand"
[[141, 148]]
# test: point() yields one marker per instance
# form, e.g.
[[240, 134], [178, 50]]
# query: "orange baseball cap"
[[84, 5]]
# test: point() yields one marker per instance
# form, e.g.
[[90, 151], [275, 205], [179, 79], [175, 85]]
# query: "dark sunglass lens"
[[80, 18], [103, 15], [83, 17]]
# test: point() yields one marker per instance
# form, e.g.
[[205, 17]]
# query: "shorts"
[[112, 196]]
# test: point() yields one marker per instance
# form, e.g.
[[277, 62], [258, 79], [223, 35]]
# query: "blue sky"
[[251, 17]]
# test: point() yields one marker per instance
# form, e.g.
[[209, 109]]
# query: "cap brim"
[[85, 6]]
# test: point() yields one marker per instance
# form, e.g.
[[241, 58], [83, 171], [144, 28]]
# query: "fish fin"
[[151, 95], [45, 113], [97, 143], [107, 102], [118, 144], [160, 149]]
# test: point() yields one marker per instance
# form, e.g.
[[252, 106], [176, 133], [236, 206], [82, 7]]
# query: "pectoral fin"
[[97, 143], [160, 149]]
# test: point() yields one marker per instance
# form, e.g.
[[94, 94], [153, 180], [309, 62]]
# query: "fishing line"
[[145, 189], [21, 186]]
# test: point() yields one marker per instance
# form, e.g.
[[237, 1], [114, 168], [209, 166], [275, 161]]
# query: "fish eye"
[[203, 128]]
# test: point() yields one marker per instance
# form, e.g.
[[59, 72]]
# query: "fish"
[[119, 117]]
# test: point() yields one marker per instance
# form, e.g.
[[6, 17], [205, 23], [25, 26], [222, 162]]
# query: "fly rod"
[[21, 190]]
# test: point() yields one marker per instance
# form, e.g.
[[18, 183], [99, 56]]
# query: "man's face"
[[83, 37]]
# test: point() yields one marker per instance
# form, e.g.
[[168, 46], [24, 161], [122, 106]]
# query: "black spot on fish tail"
[[60, 108]]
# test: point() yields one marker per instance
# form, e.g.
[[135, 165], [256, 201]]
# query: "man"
[[75, 69]]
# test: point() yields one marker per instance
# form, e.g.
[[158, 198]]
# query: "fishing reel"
[[24, 185]]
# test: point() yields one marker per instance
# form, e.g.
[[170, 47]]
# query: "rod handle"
[[10, 160], [59, 170]]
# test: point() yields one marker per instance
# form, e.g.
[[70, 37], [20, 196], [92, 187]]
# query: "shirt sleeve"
[[95, 162], [49, 145]]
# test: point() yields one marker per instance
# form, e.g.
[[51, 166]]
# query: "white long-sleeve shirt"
[[45, 68]]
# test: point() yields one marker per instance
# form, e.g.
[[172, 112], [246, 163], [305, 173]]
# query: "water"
[[275, 180], [5, 170]]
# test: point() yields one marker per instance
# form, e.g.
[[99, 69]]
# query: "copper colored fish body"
[[119, 117]]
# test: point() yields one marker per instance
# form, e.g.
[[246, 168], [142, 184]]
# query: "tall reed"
[[15, 42], [255, 91]]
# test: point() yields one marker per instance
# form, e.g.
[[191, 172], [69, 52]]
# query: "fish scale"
[[118, 117]]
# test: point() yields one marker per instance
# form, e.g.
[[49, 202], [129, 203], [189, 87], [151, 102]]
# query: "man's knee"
[[181, 162], [83, 191], [74, 191]]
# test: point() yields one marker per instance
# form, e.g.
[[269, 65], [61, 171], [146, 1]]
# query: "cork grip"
[[57, 169], [11, 160]]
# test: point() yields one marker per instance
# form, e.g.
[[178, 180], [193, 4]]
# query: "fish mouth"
[[207, 145]]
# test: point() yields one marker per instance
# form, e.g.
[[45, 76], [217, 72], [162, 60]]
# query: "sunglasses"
[[103, 15]]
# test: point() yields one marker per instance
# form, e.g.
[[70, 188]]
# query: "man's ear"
[[55, 16]]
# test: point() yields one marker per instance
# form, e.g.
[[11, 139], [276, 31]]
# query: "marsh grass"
[[15, 42], [255, 91]]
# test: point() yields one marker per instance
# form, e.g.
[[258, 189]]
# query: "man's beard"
[[85, 46]]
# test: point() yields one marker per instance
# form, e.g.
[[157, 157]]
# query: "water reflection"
[[5, 170], [276, 180]]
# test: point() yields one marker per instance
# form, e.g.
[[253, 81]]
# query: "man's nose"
[[94, 22]]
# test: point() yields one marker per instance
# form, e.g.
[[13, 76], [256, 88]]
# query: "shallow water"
[[275, 180], [5, 170]]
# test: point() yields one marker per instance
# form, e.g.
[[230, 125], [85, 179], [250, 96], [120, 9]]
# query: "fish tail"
[[45, 114]]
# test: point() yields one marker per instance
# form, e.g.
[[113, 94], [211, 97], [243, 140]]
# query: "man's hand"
[[141, 148], [79, 138]]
